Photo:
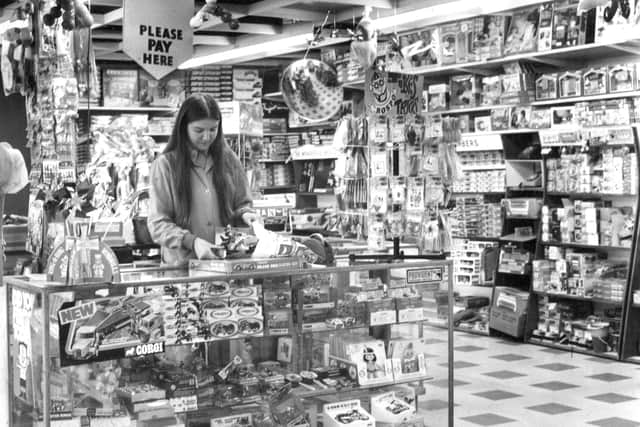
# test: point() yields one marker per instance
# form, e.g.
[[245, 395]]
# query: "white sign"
[[157, 35]]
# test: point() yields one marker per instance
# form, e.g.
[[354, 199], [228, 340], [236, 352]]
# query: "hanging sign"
[[393, 94], [157, 35]]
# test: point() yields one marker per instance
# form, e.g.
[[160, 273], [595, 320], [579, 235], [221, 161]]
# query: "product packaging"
[[594, 81], [570, 84], [500, 118], [390, 410], [622, 77], [520, 117], [540, 118], [349, 413], [491, 90], [489, 31], [421, 48], [523, 31], [482, 124], [545, 28], [464, 42], [438, 97], [448, 36], [464, 91], [547, 87], [614, 27]]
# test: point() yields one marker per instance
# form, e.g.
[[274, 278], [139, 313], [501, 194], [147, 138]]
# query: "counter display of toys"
[[474, 217], [474, 262]]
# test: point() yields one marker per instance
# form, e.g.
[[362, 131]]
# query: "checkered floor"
[[500, 382]]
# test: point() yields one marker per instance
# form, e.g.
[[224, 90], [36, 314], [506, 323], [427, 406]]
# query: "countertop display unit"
[[184, 347]]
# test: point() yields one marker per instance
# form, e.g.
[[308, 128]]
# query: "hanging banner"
[[156, 34]]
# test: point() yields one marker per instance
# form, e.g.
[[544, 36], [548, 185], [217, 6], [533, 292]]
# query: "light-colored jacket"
[[205, 212]]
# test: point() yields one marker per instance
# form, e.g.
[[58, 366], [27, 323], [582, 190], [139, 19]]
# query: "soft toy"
[[13, 171], [365, 40]]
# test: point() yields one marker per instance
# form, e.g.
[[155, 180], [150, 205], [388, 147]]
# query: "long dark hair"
[[178, 150]]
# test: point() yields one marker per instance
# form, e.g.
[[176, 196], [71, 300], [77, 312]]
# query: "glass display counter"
[[167, 347]]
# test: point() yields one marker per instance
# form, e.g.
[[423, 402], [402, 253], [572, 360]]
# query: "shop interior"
[[447, 193]]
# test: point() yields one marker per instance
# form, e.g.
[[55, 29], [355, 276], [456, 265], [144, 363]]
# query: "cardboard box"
[[349, 413], [507, 321]]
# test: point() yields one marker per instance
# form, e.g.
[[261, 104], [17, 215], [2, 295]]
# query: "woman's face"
[[202, 133]]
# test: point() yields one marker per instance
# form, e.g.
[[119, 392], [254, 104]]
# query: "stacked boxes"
[[247, 86], [472, 217], [491, 181], [216, 80]]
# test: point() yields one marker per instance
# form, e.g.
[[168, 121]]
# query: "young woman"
[[197, 184]]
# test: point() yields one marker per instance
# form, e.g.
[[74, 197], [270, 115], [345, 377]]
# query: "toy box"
[[520, 117], [381, 312], [119, 87], [438, 96], [488, 38], [622, 77], [540, 118], [464, 91], [500, 118], [166, 92], [349, 413], [517, 88], [568, 27], [570, 84], [594, 81], [491, 90], [421, 48], [523, 31], [233, 421], [545, 27], [547, 87], [448, 45], [482, 124], [407, 358], [390, 410], [464, 42], [371, 361]]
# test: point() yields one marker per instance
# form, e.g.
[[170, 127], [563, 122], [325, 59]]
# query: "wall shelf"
[[587, 98], [587, 195], [585, 246], [579, 298], [478, 238], [571, 347], [128, 109]]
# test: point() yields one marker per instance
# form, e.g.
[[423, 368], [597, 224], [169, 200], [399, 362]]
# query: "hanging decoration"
[[586, 5], [74, 14], [365, 40], [211, 10]]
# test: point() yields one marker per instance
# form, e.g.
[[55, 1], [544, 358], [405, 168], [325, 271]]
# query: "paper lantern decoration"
[[311, 89]]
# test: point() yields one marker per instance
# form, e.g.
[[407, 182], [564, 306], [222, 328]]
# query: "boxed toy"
[[520, 117], [371, 361], [464, 42], [488, 39], [390, 411], [491, 90], [482, 124], [448, 35], [232, 421], [547, 87], [545, 28], [517, 88], [570, 84], [119, 87], [349, 413], [421, 48], [438, 97], [407, 358], [523, 31], [464, 91], [381, 312], [568, 24], [622, 77], [540, 118], [166, 92], [500, 118], [594, 81]]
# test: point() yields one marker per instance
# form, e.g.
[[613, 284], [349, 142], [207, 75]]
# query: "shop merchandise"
[[347, 413], [522, 35], [615, 20], [622, 78], [120, 87], [391, 410], [464, 91], [422, 48], [570, 84], [489, 36]]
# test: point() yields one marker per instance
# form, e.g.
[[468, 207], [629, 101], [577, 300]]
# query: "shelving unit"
[[585, 246], [578, 298]]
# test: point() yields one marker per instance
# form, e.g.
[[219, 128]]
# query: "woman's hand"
[[250, 217], [203, 249]]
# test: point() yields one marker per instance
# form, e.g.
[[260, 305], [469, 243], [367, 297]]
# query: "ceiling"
[[264, 20]]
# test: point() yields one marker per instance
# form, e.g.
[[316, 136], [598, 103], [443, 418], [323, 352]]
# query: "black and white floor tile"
[[503, 383]]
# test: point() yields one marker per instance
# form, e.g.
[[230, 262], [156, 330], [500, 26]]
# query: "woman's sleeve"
[[162, 213]]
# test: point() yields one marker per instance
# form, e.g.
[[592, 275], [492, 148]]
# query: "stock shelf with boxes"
[[231, 340], [584, 264]]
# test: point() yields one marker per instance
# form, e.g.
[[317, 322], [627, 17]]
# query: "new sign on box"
[[156, 34]]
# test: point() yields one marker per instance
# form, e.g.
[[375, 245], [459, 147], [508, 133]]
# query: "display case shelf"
[[571, 347], [128, 109], [588, 98], [483, 167], [585, 246], [587, 195], [519, 239], [478, 238], [579, 298]]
